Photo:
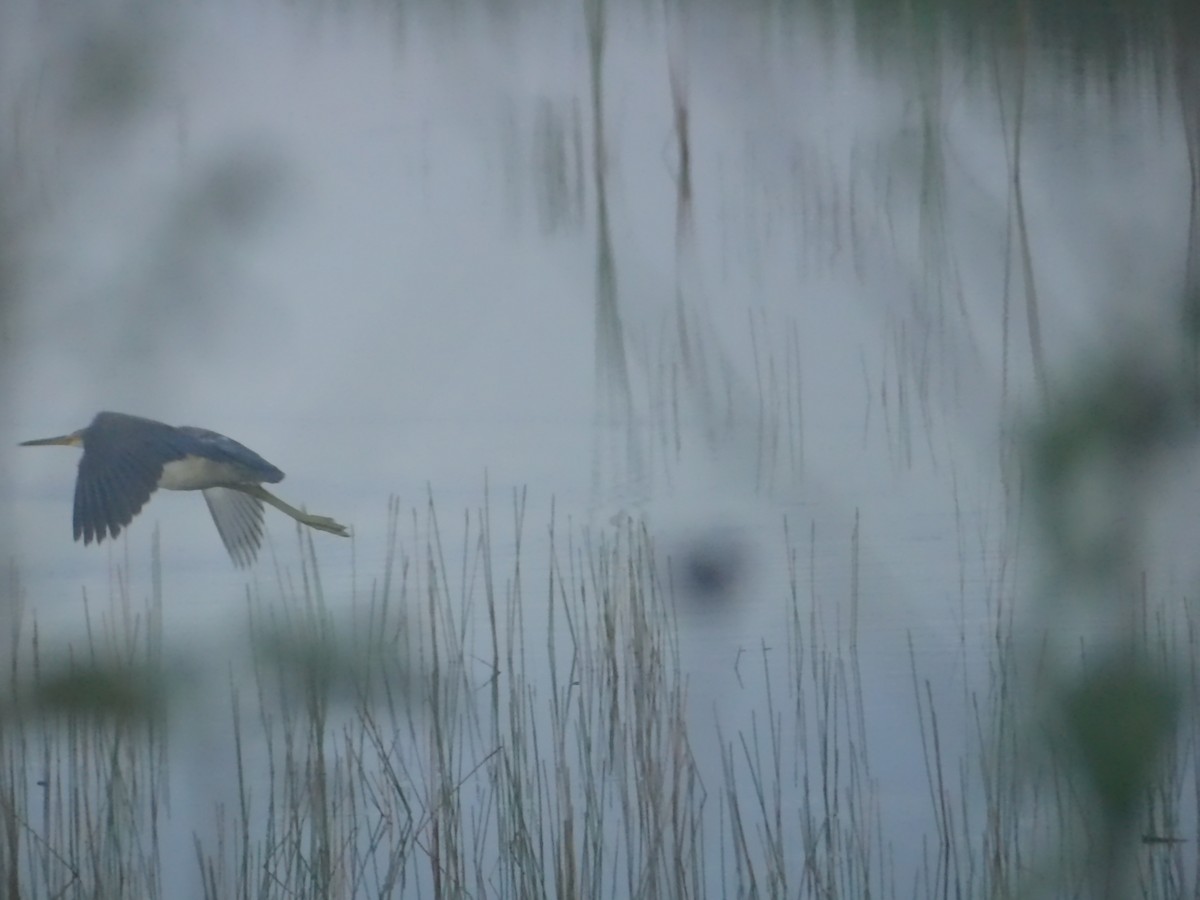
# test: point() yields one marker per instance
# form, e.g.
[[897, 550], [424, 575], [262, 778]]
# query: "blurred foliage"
[[109, 690], [1118, 716], [324, 662], [1118, 721], [1086, 39], [1089, 456], [1086, 36], [115, 70], [1093, 460]]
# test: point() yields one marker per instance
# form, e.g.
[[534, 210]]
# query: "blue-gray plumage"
[[126, 458]]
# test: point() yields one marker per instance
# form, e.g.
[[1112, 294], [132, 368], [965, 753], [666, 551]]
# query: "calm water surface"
[[405, 294]]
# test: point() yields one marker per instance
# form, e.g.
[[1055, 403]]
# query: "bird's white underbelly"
[[194, 473]]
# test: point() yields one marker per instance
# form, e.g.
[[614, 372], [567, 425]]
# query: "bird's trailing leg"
[[321, 523]]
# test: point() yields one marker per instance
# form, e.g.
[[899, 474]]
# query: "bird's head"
[[74, 439]]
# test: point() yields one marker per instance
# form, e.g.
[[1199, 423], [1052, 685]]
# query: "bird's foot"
[[324, 523]]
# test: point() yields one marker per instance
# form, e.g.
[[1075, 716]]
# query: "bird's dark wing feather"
[[123, 459], [239, 520]]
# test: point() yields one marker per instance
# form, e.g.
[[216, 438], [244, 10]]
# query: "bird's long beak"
[[74, 439]]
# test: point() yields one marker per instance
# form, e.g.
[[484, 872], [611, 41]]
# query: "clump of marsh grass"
[[496, 726], [83, 751]]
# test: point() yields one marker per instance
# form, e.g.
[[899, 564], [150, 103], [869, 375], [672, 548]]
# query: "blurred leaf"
[[1124, 408], [315, 659], [113, 70], [1119, 720], [105, 690]]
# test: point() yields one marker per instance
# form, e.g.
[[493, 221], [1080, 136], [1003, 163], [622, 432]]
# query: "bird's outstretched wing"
[[115, 481], [239, 519]]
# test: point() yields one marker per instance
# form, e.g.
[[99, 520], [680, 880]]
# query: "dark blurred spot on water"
[[712, 567]]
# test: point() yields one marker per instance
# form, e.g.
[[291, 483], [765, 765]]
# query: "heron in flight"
[[125, 458]]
